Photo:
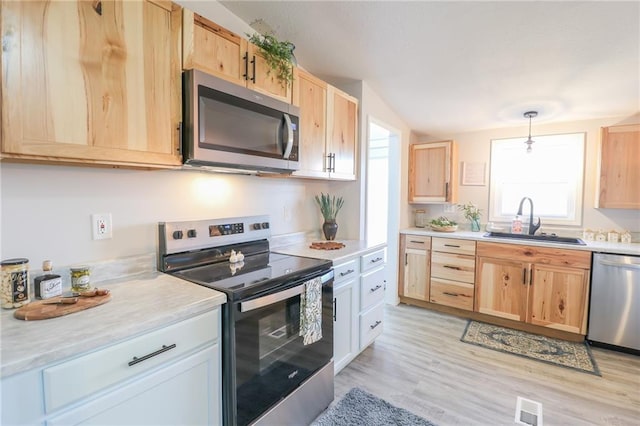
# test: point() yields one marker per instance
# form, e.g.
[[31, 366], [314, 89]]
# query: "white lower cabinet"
[[165, 377], [358, 292]]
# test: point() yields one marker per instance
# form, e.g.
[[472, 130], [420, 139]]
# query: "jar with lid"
[[15, 282], [48, 284], [80, 280], [421, 218]]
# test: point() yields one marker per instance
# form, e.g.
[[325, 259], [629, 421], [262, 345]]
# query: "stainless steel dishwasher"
[[614, 315]]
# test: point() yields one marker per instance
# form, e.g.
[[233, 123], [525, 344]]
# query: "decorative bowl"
[[450, 228]]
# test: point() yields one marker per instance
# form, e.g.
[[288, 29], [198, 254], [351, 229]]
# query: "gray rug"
[[359, 408], [572, 355]]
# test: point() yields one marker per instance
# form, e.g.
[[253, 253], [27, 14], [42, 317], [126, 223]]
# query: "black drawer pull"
[[377, 259], [417, 242], [375, 325], [376, 288], [151, 355], [347, 272], [457, 268], [451, 245], [450, 294]]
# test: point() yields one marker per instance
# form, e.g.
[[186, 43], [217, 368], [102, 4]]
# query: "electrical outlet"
[[101, 226], [449, 208]]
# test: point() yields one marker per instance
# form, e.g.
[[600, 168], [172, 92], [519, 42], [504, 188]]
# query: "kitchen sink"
[[549, 238]]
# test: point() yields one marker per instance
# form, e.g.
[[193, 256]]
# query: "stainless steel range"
[[277, 324]]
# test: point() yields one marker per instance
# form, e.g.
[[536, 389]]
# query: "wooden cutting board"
[[39, 310]]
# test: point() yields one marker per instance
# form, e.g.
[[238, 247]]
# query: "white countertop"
[[351, 249], [593, 246], [138, 305]]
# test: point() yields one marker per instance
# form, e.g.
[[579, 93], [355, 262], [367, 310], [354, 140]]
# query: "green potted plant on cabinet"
[[278, 54]]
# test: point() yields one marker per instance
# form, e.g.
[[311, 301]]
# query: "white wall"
[[46, 209], [475, 147]]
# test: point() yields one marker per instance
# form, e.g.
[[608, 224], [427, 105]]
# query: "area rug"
[[572, 355], [359, 408]]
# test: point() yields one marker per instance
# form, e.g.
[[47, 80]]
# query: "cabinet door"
[[311, 97], [432, 172], [91, 82], [558, 298], [186, 392], [263, 79], [342, 133], [213, 49], [501, 288], [342, 326], [620, 168], [416, 274]]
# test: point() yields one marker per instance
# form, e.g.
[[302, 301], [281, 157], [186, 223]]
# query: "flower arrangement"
[[471, 211], [329, 206]]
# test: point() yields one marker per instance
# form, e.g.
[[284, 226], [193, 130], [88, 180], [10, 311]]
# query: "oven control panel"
[[175, 237]]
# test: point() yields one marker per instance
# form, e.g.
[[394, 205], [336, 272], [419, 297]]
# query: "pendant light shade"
[[529, 141]]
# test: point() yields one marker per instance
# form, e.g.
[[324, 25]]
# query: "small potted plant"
[[278, 54], [329, 207], [472, 213]]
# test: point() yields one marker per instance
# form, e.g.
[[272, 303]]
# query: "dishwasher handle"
[[619, 264]]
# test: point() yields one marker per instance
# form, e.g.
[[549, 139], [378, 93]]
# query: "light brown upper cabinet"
[[92, 82], [213, 49], [619, 186], [328, 129], [433, 172]]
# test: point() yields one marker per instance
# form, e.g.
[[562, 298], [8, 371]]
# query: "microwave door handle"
[[289, 137]]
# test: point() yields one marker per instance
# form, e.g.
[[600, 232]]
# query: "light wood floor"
[[419, 363]]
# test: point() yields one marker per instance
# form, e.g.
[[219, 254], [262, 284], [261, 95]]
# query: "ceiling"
[[447, 67]]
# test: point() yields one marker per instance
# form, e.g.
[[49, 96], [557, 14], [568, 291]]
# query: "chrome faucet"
[[532, 227]]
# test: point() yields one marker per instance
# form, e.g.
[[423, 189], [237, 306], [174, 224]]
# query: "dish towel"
[[311, 311]]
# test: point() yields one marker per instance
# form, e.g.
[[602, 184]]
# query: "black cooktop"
[[257, 274]]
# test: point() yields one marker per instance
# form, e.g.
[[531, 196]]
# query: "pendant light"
[[530, 115]]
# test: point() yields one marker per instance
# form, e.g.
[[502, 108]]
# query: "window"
[[551, 175]]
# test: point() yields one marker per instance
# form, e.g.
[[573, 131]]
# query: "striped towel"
[[311, 311]]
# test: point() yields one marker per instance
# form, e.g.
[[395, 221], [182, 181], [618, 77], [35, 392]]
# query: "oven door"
[[271, 359]]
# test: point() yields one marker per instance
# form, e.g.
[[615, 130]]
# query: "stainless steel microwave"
[[228, 127]]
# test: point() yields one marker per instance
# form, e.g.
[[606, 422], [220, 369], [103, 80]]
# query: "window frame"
[[575, 204]]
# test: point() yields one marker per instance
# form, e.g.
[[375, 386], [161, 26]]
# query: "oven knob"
[[177, 235], [191, 233], [265, 225], [256, 226]]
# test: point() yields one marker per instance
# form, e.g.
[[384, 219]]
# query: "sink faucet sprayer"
[[532, 227]]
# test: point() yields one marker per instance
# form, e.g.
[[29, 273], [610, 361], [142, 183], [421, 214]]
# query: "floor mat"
[[546, 349]]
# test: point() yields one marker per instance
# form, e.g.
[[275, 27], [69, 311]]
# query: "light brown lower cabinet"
[[415, 266], [453, 265], [541, 286]]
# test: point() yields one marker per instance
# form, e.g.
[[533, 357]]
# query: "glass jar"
[[421, 218], [15, 282], [80, 278]]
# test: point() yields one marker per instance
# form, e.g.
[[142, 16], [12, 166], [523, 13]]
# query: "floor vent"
[[528, 412]]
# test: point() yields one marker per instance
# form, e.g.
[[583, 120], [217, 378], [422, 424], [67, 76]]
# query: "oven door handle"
[[271, 299]]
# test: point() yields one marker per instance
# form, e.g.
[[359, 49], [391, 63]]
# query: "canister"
[[15, 282], [421, 218], [80, 280]]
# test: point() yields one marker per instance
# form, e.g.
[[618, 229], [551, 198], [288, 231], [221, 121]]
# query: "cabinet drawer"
[[371, 260], [80, 377], [372, 287], [371, 325], [452, 245], [346, 271], [454, 267], [418, 242], [451, 293]]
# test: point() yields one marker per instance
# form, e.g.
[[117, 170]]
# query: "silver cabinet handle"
[[164, 348], [377, 259], [375, 325], [376, 288], [347, 272]]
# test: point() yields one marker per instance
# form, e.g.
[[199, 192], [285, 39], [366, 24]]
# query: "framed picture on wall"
[[474, 174]]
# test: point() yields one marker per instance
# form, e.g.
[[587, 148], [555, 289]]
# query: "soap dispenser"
[[516, 225]]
